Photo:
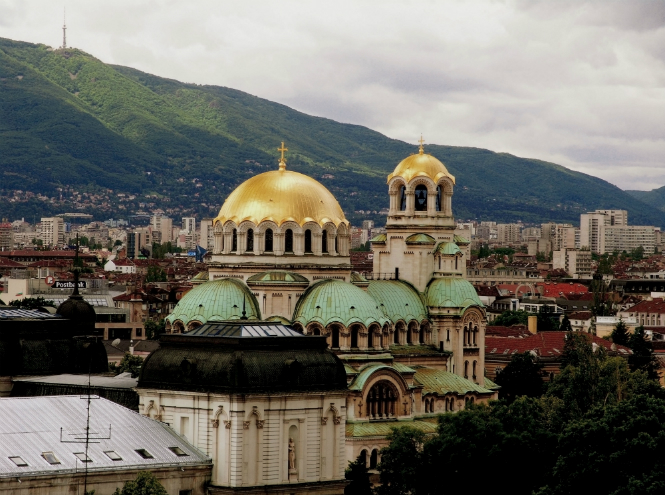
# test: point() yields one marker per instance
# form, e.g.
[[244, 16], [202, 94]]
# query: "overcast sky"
[[577, 83]]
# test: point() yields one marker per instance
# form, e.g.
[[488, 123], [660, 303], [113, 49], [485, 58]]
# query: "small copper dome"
[[80, 313]]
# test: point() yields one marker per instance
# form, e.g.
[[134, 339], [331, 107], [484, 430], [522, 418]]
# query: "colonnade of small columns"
[[357, 337]]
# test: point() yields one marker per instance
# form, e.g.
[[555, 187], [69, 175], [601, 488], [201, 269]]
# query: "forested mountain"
[[655, 197], [110, 140]]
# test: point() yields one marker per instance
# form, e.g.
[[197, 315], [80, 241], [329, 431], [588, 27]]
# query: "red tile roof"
[[553, 289], [546, 344], [516, 331], [656, 306], [5, 263]]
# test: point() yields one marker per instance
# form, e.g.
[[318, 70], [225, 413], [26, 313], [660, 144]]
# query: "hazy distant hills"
[[654, 198], [69, 122]]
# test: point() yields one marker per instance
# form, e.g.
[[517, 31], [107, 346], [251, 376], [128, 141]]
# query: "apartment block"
[[189, 224], [162, 228], [574, 261], [627, 237], [508, 233], [52, 231]]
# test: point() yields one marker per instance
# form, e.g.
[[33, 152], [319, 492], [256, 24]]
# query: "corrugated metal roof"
[[31, 426], [240, 329], [12, 314]]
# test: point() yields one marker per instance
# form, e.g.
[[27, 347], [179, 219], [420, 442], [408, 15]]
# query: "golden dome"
[[281, 196], [421, 165]]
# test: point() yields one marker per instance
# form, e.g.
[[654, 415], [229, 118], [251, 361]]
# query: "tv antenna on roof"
[[64, 28]]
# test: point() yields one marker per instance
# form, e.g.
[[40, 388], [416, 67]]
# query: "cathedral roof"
[[447, 248], [421, 165], [217, 300], [420, 239], [451, 292], [330, 301], [441, 382], [277, 277], [399, 300], [281, 196]]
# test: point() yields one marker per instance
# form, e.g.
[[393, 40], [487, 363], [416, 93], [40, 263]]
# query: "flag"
[[200, 253]]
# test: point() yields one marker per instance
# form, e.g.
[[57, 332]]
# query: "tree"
[[145, 484], [154, 328], [547, 320], [642, 357], [620, 333], [484, 251], [358, 475], [565, 325], [129, 363], [32, 303], [403, 468], [155, 274], [521, 377], [509, 318]]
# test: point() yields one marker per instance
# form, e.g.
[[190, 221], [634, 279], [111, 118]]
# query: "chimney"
[[533, 324]]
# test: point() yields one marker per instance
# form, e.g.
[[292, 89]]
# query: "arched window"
[[324, 241], [438, 198], [421, 198], [336, 250], [288, 241], [475, 331], [455, 262], [473, 369], [402, 198], [363, 457], [382, 400], [234, 241], [466, 369], [448, 335], [250, 240], [268, 244], [374, 459], [422, 335], [354, 338], [308, 241], [396, 335], [335, 337]]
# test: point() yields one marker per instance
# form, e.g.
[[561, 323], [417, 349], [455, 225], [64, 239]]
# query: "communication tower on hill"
[[64, 29]]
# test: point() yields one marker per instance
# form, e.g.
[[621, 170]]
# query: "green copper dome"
[[216, 300], [399, 300], [447, 248], [450, 292], [335, 301], [420, 239]]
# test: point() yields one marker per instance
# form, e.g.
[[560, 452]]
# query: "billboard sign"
[[68, 285]]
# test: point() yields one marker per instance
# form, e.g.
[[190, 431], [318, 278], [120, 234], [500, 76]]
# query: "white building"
[[189, 224], [52, 231], [575, 262]]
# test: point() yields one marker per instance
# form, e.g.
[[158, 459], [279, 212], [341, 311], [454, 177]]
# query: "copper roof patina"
[[381, 429], [444, 382], [449, 248], [277, 277], [217, 300], [420, 239], [399, 300], [451, 292], [335, 301]]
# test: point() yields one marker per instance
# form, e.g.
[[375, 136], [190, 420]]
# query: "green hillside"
[[655, 197], [110, 140]]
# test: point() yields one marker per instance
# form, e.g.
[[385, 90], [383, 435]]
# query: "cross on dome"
[[282, 160], [421, 150]]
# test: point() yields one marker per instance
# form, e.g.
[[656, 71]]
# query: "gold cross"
[[282, 149], [421, 141]]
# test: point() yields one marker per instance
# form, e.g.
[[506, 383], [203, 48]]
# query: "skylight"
[[50, 458], [83, 457], [18, 461], [178, 451], [144, 453], [114, 456]]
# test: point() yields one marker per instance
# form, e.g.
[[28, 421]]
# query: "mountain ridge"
[[71, 125]]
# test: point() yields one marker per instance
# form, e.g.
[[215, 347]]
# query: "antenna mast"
[[64, 28]]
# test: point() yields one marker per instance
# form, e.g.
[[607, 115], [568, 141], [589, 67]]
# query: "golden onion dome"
[[281, 196], [421, 165]]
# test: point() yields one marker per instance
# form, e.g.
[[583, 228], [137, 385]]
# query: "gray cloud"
[[577, 83]]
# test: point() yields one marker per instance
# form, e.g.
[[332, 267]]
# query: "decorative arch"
[[193, 324], [422, 181], [178, 326], [402, 401], [315, 328]]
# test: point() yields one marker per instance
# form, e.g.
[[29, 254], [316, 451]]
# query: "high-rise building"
[[207, 236], [508, 233], [6, 240], [52, 231], [590, 225], [616, 217], [574, 261], [189, 224], [137, 240], [162, 227], [619, 238]]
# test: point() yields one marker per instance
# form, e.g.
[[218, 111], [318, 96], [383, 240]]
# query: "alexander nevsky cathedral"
[[286, 364]]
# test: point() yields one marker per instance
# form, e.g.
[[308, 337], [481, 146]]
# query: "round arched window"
[[382, 400], [421, 198]]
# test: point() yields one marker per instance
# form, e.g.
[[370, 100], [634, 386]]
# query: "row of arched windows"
[[268, 245], [429, 405], [420, 194], [470, 333], [382, 400], [474, 365], [373, 458]]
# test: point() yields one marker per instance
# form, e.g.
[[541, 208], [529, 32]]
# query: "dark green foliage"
[[521, 377], [642, 358], [547, 321], [484, 251], [145, 484], [363, 247], [155, 274], [129, 363], [358, 475], [509, 318], [620, 334], [31, 303], [404, 465], [76, 123], [565, 325], [154, 328], [161, 250], [614, 450]]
